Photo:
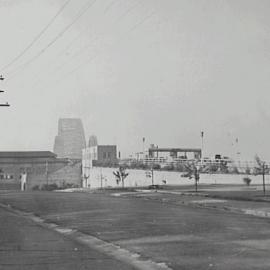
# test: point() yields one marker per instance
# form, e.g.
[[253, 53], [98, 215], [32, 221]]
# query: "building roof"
[[27, 154]]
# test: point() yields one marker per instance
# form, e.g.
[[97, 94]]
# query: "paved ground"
[[25, 246], [158, 226]]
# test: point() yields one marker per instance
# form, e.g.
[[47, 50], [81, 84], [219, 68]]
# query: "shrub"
[[156, 167], [36, 187], [49, 187], [168, 168], [247, 180], [69, 185]]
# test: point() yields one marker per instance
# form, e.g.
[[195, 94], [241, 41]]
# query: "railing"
[[240, 164]]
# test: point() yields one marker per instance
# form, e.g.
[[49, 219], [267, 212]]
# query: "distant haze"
[[160, 69]]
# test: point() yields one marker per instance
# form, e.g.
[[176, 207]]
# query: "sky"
[[160, 69]]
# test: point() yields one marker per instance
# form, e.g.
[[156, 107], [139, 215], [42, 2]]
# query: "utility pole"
[[263, 175], [143, 141], [46, 172], [2, 91], [152, 174]]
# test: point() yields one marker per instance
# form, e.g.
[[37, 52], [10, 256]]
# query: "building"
[[39, 168], [70, 139], [92, 141], [99, 155], [174, 153]]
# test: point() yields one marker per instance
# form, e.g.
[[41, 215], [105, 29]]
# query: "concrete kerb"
[[125, 256]]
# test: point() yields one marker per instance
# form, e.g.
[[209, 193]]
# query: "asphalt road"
[[25, 245], [182, 236]]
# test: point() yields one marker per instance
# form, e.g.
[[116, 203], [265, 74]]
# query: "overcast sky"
[[159, 69]]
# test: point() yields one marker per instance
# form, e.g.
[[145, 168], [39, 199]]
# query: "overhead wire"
[[89, 44], [134, 27], [36, 38], [59, 35], [81, 50]]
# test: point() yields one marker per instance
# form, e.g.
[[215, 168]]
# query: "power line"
[[80, 51], [89, 60], [59, 35], [26, 49], [88, 45]]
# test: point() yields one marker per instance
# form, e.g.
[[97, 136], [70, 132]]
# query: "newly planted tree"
[[193, 170], [262, 168], [120, 176]]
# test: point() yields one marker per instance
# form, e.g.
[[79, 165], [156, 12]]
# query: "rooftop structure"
[[174, 151]]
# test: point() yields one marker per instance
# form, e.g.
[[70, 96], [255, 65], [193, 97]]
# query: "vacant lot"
[[182, 236]]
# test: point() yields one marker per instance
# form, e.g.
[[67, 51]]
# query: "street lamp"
[[202, 134]]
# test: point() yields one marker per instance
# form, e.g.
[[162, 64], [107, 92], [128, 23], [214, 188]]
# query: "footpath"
[[24, 245]]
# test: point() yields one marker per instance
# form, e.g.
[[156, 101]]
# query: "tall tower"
[[92, 141], [70, 139]]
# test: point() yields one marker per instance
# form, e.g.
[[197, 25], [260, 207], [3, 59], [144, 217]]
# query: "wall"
[[70, 174], [107, 154], [40, 172], [138, 178]]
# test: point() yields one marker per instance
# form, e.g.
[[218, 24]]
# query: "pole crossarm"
[[2, 91]]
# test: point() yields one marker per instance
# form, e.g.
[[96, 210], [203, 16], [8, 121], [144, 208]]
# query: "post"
[[101, 184], [47, 180], [152, 174], [263, 175], [202, 134], [143, 141]]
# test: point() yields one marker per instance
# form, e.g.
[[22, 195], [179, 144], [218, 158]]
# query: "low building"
[[39, 168], [99, 155]]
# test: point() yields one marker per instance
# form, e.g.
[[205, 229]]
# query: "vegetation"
[[49, 187], [193, 171], [261, 169], [247, 180], [120, 176], [54, 186]]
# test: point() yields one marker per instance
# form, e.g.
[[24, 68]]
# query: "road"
[[163, 230]]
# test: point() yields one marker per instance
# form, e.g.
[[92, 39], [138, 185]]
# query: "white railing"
[[240, 164]]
